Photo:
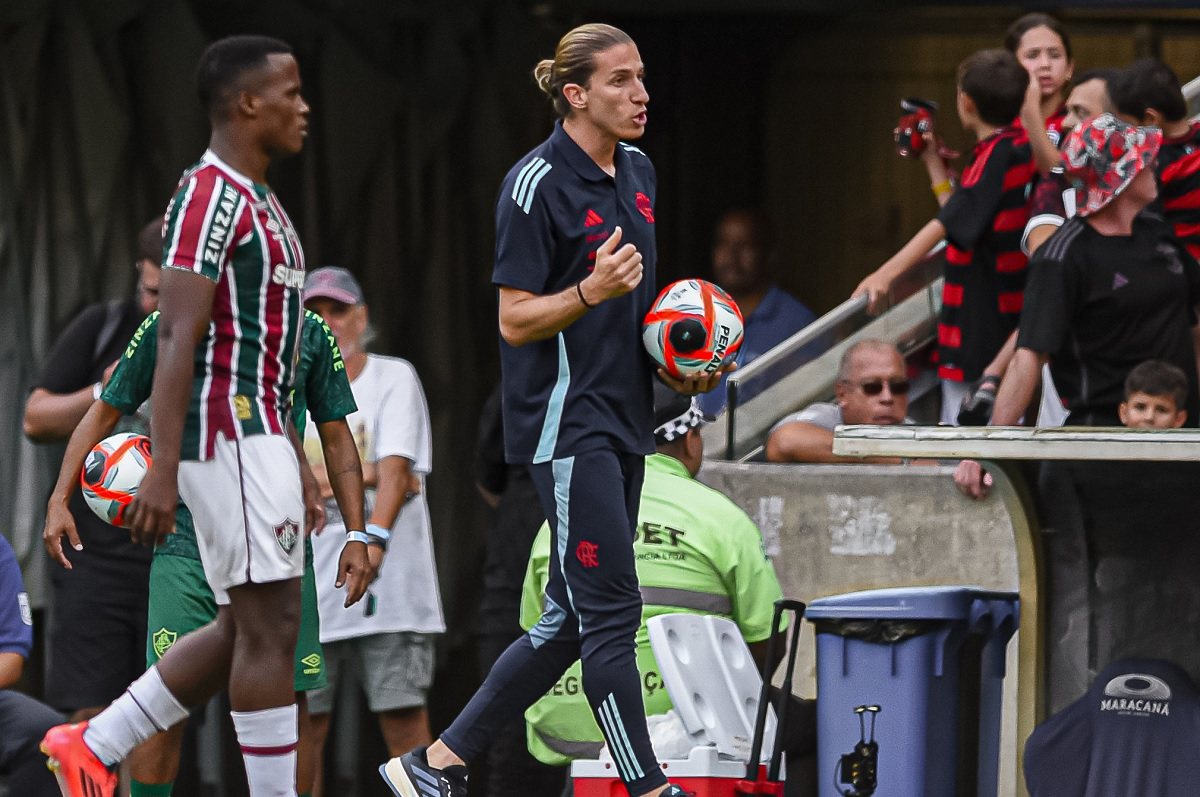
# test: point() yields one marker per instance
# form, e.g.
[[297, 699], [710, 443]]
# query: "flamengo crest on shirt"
[[588, 553], [644, 207]]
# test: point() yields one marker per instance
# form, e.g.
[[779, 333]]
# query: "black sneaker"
[[675, 791], [411, 776]]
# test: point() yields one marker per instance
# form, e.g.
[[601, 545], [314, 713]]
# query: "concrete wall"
[[832, 529]]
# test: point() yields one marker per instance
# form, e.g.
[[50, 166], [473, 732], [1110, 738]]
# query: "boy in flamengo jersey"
[[1147, 94], [1052, 203], [180, 599], [228, 341], [982, 222]]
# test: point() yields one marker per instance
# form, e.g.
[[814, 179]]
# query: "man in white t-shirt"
[[872, 388], [387, 639]]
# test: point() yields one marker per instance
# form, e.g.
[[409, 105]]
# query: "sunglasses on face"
[[874, 387]]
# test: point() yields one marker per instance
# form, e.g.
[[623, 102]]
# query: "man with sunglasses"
[[872, 388]]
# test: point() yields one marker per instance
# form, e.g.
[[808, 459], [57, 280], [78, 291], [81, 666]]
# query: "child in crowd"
[[982, 223], [1042, 46], [1147, 93], [1155, 398]]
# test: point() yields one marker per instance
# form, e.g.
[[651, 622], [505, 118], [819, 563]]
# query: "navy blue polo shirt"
[[589, 386], [16, 622]]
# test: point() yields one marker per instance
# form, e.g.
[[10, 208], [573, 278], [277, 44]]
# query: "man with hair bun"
[[575, 258]]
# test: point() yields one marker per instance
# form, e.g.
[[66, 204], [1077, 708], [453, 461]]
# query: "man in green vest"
[[696, 552]]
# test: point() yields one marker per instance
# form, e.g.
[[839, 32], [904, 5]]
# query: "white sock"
[[146, 708], [268, 739]]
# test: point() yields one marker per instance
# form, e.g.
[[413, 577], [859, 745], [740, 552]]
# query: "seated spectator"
[[23, 720], [1148, 93], [1112, 289], [872, 388], [981, 222], [1155, 395], [696, 551], [741, 264]]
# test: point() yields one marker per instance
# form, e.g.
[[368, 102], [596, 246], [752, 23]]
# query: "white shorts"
[[248, 507]]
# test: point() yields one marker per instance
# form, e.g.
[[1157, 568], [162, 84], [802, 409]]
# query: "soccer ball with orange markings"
[[693, 327], [112, 472]]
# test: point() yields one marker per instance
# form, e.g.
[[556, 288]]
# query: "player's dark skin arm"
[[344, 470], [98, 422], [314, 507], [185, 305], [11, 666]]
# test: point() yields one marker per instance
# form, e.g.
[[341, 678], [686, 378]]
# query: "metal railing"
[[816, 351]]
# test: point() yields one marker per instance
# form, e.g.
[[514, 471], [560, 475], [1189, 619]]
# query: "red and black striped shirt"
[[985, 268], [1179, 186]]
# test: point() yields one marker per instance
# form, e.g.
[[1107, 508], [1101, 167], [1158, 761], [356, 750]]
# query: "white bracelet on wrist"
[[357, 536], [97, 389]]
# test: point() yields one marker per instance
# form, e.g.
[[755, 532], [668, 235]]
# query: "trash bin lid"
[[897, 603]]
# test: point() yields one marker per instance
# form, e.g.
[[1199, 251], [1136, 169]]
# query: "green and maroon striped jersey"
[[233, 231]]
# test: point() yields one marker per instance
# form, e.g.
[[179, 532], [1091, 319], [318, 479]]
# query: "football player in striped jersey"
[[229, 333]]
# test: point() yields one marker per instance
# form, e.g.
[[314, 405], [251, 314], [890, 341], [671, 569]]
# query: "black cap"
[[674, 414]]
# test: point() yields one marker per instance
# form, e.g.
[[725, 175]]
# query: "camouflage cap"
[[1103, 155]]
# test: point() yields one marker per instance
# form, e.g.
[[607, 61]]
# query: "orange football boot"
[[78, 771]]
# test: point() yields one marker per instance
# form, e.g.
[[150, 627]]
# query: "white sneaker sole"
[[396, 778]]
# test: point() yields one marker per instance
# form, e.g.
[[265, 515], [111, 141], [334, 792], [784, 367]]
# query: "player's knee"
[[266, 615]]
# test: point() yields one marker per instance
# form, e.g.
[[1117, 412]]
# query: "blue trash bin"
[[932, 659]]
